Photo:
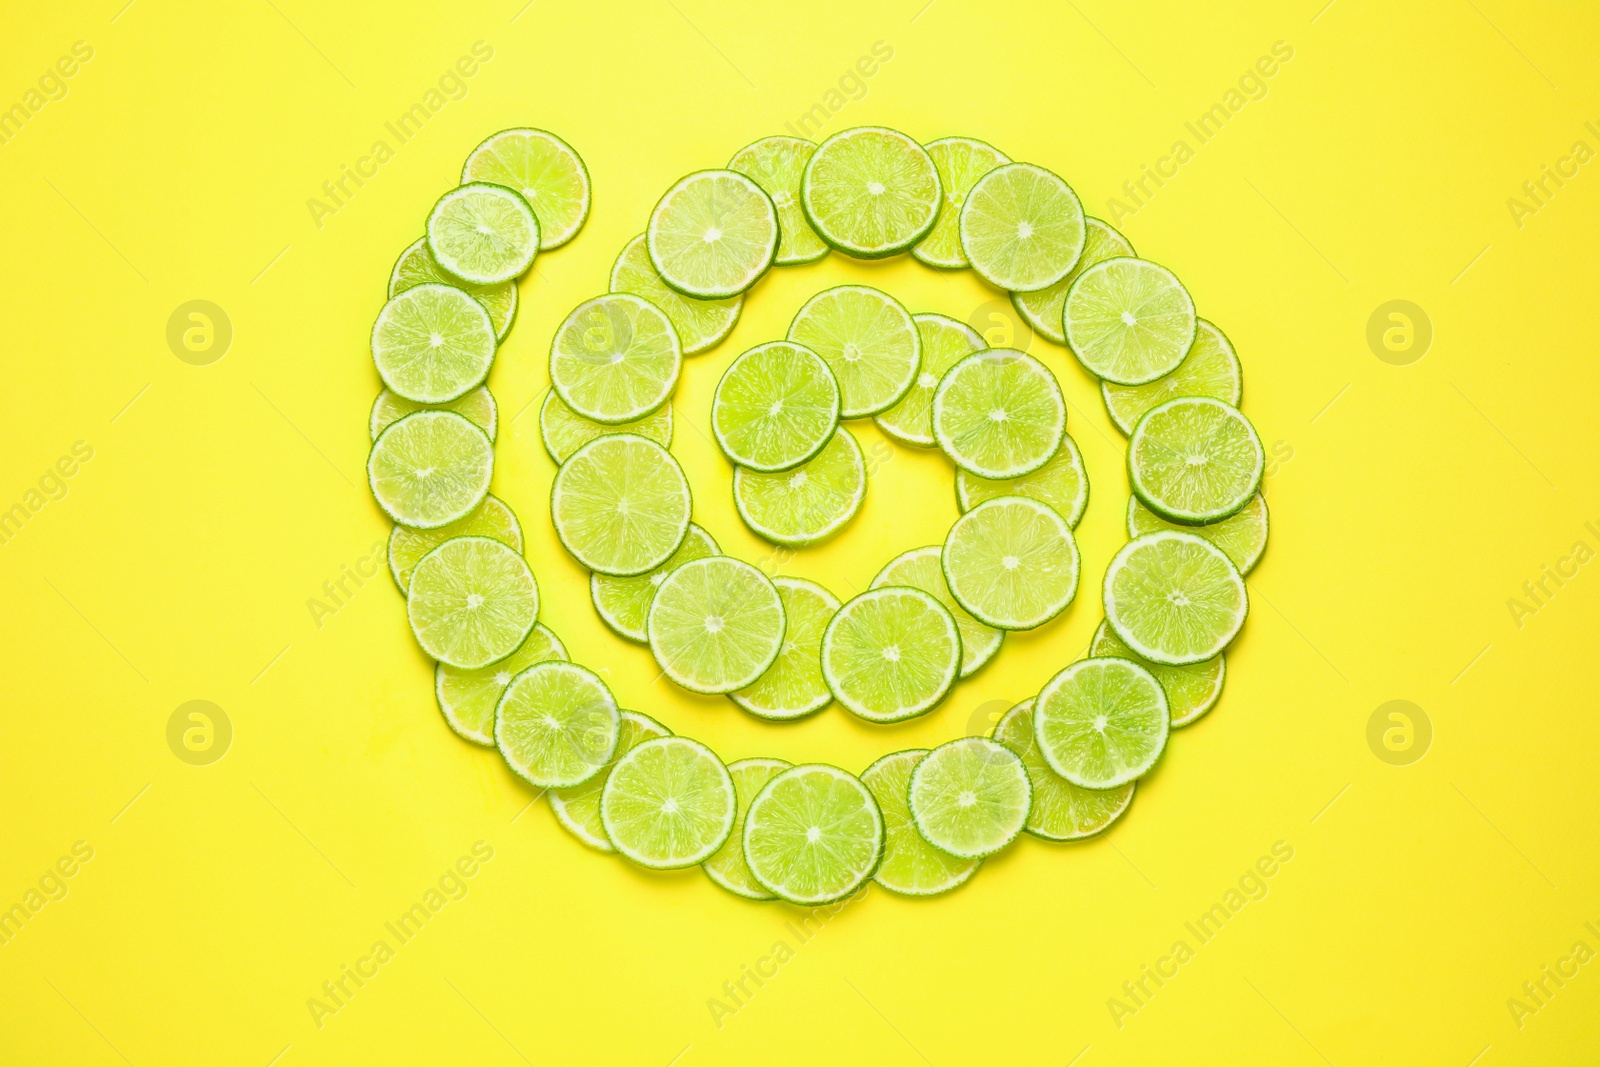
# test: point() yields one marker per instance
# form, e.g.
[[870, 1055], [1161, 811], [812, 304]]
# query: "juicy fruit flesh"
[[891, 653], [1174, 598], [1195, 458], [1101, 723], [813, 834]]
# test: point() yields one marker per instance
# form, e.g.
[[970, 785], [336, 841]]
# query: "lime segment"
[[564, 431], [1061, 811], [1042, 307], [1192, 689], [669, 803], [577, 808], [1022, 227], [793, 687], [700, 324], [545, 170], [492, 518], [472, 602], [1101, 723], [433, 343], [1210, 369], [869, 341], [727, 868], [468, 697], [1195, 460], [615, 359], [944, 342], [430, 468], [961, 161], [1174, 598], [775, 407], [970, 797], [713, 234], [716, 624], [920, 569], [557, 724], [1012, 562], [910, 865], [810, 503], [777, 164], [999, 414], [416, 266], [620, 505], [624, 603], [891, 653], [1242, 535], [1128, 320], [813, 834], [483, 233], [871, 192], [1061, 482]]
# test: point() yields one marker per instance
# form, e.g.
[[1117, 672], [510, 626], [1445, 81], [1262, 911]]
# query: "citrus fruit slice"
[[1174, 598], [1022, 227], [430, 468], [1242, 535], [557, 724], [910, 866], [624, 603], [577, 808], [999, 414], [1061, 811], [615, 359], [416, 266], [1210, 369], [1012, 562], [960, 161], [545, 170], [716, 624], [620, 504], [869, 341], [1061, 482], [944, 342], [920, 569], [713, 234], [891, 653], [809, 503], [813, 834], [1129, 321], [775, 407], [1041, 308], [467, 698], [793, 687], [472, 602], [970, 797], [1192, 689], [477, 407], [564, 431], [777, 164], [433, 343], [668, 803], [1195, 460], [492, 518], [483, 233], [871, 192], [700, 324], [727, 867], [1101, 723]]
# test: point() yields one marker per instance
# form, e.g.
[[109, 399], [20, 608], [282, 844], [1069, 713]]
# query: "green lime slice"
[[891, 653], [870, 343], [1101, 723], [620, 505], [999, 414], [615, 359], [545, 170], [871, 192], [716, 624], [1061, 811], [430, 468], [813, 834], [1195, 460], [557, 724], [468, 697], [624, 603], [944, 342], [808, 504], [477, 406], [1192, 689], [920, 569], [713, 234], [777, 164], [432, 344], [472, 602], [1210, 369], [775, 407], [970, 797], [961, 161], [793, 687], [577, 808], [564, 431], [1174, 598], [1242, 535], [1012, 562], [1061, 482], [483, 233], [910, 866], [1022, 227], [669, 803], [416, 266], [1129, 321], [1042, 307], [727, 868], [492, 518], [700, 324]]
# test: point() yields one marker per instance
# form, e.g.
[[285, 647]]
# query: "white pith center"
[[875, 188], [474, 601], [967, 798], [530, 192], [713, 624], [1010, 563], [926, 380], [998, 415], [892, 653], [1128, 319], [502, 678], [813, 834], [1100, 723], [797, 479], [435, 340], [1024, 230], [851, 353], [776, 408], [670, 807], [713, 235]]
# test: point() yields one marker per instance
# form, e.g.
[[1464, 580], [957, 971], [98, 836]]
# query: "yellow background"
[[1418, 499]]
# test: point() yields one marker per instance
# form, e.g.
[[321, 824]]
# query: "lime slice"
[[775, 407], [1061, 811], [1061, 482], [793, 687], [869, 341], [727, 868], [1101, 723], [808, 504], [1195, 460], [478, 407], [961, 161], [1022, 227], [944, 342], [910, 865], [472, 602], [545, 170], [668, 803], [432, 344], [1174, 598], [615, 359], [999, 414], [813, 834], [620, 504], [1042, 307], [1210, 369], [700, 324], [920, 569], [970, 797], [430, 468], [891, 653], [557, 724], [416, 266], [492, 518], [778, 164], [871, 192], [564, 431], [1192, 690], [624, 603], [483, 233], [577, 808], [716, 624], [1128, 320], [468, 697], [1012, 562], [713, 234], [1242, 535]]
